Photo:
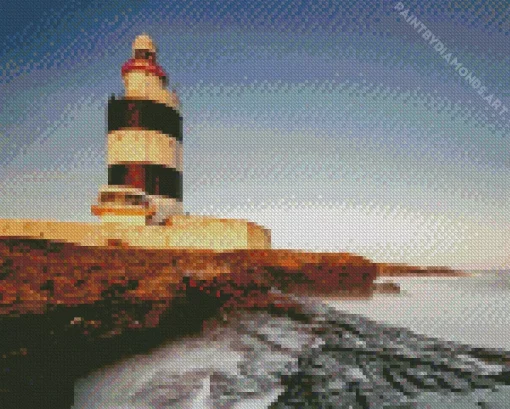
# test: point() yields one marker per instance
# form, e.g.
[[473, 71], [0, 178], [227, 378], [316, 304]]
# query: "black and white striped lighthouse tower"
[[145, 151]]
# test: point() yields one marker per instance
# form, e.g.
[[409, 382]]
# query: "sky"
[[340, 125]]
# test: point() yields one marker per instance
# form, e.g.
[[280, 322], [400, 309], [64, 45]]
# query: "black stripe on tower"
[[150, 115], [153, 179]]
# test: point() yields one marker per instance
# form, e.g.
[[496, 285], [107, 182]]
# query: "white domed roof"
[[144, 42]]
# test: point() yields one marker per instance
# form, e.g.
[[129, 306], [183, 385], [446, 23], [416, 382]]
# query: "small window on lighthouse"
[[107, 197], [134, 200]]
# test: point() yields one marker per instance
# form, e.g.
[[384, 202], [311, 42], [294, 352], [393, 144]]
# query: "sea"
[[472, 310]]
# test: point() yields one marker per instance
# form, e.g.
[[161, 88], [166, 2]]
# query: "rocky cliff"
[[67, 309]]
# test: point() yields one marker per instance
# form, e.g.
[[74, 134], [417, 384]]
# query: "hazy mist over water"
[[473, 310]]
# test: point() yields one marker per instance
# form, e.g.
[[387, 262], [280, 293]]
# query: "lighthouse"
[[145, 152]]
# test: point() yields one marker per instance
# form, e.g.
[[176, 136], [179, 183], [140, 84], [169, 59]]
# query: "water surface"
[[470, 310], [474, 310]]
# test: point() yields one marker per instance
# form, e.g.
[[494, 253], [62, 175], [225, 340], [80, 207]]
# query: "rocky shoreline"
[[404, 270], [67, 310], [315, 357], [42, 355], [361, 364]]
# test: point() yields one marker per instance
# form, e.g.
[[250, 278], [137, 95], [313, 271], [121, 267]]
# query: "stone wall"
[[180, 231]]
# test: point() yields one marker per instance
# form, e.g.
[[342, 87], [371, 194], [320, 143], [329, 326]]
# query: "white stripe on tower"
[[142, 146]]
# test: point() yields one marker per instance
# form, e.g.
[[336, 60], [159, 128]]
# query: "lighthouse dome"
[[144, 42]]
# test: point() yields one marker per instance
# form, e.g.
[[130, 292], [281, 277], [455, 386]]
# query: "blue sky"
[[337, 126]]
